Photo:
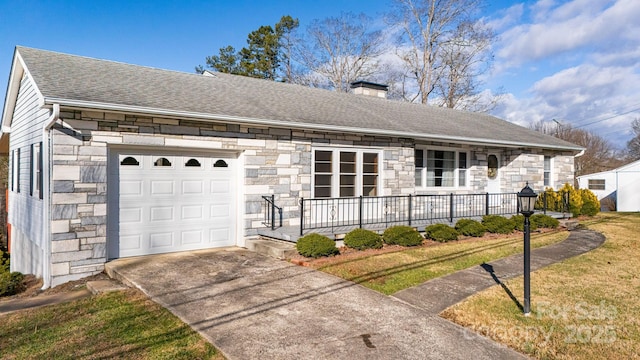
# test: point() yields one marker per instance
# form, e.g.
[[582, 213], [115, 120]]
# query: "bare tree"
[[338, 51], [633, 145], [464, 58], [599, 155], [444, 48]]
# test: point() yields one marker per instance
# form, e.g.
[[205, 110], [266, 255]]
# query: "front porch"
[[335, 217]]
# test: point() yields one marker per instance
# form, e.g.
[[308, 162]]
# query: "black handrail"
[[270, 212]]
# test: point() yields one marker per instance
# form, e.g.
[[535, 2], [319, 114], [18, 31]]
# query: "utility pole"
[[557, 127]]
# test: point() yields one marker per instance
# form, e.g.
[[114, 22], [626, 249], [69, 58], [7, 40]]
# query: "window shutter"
[[40, 175]]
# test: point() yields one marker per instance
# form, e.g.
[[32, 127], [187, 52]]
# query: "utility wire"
[[607, 118]]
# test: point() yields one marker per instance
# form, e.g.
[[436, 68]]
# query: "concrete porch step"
[[273, 248], [570, 224]]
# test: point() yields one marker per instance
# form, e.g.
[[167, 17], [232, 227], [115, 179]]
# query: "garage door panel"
[[220, 186], [192, 212], [131, 242], [131, 215], [162, 187], [162, 213], [192, 187], [191, 237], [130, 188], [220, 211], [166, 206], [219, 235], [161, 240]]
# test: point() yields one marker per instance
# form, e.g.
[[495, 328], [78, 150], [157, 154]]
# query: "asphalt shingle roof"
[[62, 77]]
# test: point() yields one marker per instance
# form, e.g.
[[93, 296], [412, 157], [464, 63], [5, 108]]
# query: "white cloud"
[[587, 51], [505, 18], [603, 100], [540, 10], [574, 25]]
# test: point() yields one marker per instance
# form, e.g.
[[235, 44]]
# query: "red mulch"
[[350, 254]]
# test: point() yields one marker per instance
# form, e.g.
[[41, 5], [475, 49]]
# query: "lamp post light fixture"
[[526, 202]]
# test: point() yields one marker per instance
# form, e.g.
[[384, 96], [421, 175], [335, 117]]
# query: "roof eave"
[[89, 105], [13, 87]]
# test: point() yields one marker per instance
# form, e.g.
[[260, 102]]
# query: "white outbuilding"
[[621, 185]]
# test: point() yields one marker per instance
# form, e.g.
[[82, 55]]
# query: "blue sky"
[[574, 61]]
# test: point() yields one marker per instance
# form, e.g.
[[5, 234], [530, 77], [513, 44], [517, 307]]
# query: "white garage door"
[[174, 202]]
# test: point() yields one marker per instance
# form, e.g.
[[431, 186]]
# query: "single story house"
[[110, 160], [619, 187]]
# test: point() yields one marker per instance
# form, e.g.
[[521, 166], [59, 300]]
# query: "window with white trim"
[[13, 169], [16, 171], [346, 172], [441, 168], [596, 184], [547, 171], [36, 170]]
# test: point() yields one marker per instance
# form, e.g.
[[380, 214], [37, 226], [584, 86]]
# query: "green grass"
[[116, 325], [585, 307], [394, 271]]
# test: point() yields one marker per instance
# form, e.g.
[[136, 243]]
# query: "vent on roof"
[[369, 89]]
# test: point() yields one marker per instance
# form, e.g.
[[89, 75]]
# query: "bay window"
[[440, 168]]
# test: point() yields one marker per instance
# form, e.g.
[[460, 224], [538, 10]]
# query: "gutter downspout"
[[46, 192]]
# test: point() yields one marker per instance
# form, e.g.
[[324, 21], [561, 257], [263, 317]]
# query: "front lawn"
[[582, 308], [389, 272], [117, 325]]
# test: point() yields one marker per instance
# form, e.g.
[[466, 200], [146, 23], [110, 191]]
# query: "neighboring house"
[[110, 160], [620, 186]]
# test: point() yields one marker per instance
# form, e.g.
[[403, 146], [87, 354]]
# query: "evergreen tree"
[[262, 57]]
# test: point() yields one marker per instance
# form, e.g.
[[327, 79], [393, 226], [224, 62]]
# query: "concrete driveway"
[[255, 307]]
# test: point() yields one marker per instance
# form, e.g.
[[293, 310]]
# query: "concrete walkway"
[[251, 306], [438, 294], [254, 307]]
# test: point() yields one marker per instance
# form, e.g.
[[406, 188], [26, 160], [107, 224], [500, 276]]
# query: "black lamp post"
[[526, 202]]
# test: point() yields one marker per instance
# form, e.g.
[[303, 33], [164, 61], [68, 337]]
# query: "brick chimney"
[[370, 89]]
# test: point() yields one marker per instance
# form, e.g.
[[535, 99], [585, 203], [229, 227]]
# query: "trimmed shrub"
[[581, 201], [590, 203], [440, 232], [498, 225], [518, 221], [11, 283], [469, 227], [316, 245], [544, 221], [361, 239], [554, 200], [575, 199], [402, 235]]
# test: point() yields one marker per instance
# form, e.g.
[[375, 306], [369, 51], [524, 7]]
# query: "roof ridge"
[[18, 47]]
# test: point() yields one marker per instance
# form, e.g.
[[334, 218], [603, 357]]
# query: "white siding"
[[25, 211], [621, 184]]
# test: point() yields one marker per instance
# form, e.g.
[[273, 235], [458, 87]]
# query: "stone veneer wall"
[[517, 166], [528, 166], [276, 161]]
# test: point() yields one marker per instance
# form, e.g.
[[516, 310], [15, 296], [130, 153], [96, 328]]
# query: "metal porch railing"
[[322, 213]]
